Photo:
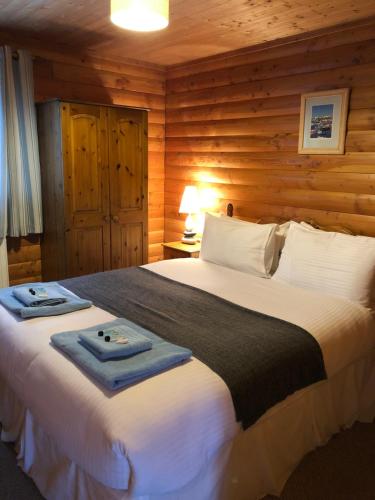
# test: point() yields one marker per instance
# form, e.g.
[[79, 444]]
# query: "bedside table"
[[178, 250]]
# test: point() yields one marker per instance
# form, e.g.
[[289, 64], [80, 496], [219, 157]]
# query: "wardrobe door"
[[128, 186], [86, 186]]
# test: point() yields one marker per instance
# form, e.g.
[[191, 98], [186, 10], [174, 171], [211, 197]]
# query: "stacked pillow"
[[240, 245], [280, 238], [333, 263]]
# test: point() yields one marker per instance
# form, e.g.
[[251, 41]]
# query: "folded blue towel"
[[136, 342], [73, 303], [117, 373], [36, 296]]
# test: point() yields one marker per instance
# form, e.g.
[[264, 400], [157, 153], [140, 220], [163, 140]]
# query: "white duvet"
[[157, 435]]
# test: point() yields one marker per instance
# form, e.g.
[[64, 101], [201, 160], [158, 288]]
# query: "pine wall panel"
[[92, 79], [232, 126]]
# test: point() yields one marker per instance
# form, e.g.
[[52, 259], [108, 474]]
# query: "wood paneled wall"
[[232, 126], [66, 76], [24, 258]]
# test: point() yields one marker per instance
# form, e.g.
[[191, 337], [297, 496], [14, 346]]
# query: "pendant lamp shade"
[[140, 15]]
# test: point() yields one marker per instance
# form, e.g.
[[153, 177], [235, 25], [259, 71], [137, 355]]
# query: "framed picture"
[[322, 125]]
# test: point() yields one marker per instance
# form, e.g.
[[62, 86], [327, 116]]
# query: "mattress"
[[156, 437]]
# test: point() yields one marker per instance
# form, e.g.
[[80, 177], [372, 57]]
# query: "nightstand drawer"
[[178, 250]]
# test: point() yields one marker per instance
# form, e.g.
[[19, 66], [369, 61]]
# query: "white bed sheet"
[[258, 462], [344, 329], [156, 436]]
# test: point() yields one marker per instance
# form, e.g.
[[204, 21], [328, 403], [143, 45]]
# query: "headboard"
[[337, 228]]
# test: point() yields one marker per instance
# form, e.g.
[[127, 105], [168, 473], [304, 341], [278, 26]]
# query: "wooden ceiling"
[[197, 28]]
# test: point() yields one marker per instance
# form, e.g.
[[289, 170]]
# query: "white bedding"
[[157, 435]]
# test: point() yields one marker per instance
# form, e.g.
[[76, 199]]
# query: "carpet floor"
[[344, 469]]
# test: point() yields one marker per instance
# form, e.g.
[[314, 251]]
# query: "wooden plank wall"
[[232, 126], [24, 259], [65, 76]]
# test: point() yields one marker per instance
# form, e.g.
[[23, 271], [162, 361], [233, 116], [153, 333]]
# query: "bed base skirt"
[[258, 462]]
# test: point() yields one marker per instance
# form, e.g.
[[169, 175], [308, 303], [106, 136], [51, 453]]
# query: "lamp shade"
[[190, 201], [140, 15]]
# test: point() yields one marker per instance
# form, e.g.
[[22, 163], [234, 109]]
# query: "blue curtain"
[[20, 186]]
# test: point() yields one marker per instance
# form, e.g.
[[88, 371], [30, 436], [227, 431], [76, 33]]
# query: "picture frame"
[[323, 119]]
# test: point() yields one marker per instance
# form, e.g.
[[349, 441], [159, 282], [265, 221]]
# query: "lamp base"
[[189, 238], [188, 241]]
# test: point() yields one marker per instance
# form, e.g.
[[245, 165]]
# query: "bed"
[[175, 435]]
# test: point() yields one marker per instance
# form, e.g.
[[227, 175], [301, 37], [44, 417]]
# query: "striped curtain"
[[4, 277], [24, 191], [19, 168]]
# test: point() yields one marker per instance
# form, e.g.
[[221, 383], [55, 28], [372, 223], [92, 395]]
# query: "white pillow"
[[281, 232], [237, 244], [280, 238], [334, 263]]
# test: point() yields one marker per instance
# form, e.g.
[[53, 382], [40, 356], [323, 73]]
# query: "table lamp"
[[189, 205]]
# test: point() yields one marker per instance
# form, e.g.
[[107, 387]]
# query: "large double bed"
[[175, 435]]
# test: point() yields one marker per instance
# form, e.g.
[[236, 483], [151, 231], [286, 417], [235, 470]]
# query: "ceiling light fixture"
[[140, 15]]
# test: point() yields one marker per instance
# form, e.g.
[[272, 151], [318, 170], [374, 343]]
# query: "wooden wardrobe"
[[94, 182]]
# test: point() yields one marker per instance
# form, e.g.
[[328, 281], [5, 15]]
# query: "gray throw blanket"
[[261, 359]]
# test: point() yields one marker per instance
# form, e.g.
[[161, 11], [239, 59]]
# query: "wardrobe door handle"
[[115, 218], [106, 219]]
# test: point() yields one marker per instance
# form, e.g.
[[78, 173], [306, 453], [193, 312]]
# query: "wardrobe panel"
[[85, 143], [128, 185], [129, 248], [127, 151], [128, 176], [85, 151], [51, 163], [88, 254]]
